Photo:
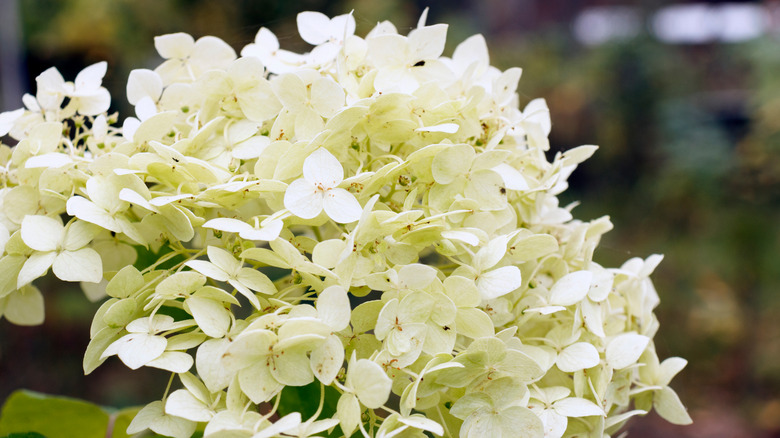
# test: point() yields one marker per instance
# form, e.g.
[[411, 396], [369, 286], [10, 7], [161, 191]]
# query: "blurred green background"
[[689, 164]]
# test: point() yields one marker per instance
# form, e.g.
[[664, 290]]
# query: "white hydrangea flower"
[[318, 190], [61, 248], [554, 406], [186, 59], [87, 94], [328, 34], [266, 48], [224, 267]]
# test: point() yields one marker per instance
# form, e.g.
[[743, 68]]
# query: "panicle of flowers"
[[371, 215]]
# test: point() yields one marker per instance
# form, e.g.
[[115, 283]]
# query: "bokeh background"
[[682, 97]]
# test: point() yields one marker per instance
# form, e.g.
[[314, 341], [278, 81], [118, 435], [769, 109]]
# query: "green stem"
[[168, 388], [443, 423], [319, 408], [275, 407], [363, 430]]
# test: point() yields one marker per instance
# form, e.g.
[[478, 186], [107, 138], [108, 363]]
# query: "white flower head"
[[370, 168]]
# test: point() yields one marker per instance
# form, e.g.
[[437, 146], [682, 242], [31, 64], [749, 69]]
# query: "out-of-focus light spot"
[[598, 25], [701, 23], [743, 22], [690, 24]]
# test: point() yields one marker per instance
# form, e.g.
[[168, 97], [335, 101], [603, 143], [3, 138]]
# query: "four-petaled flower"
[[318, 190], [60, 247]]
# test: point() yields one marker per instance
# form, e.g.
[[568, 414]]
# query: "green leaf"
[[52, 416], [122, 419], [25, 435]]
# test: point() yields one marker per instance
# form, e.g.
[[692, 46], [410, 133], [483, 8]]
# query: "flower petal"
[[327, 97], [571, 288], [577, 407], [427, 42], [207, 363], [321, 167], [34, 267], [333, 307], [138, 349], [143, 83], [42, 233], [24, 306], [91, 77], [579, 356], [208, 269], [499, 282], [624, 350], [174, 45], [182, 403], [313, 27], [268, 232], [341, 206], [223, 259], [303, 199], [227, 224], [88, 211], [211, 316], [284, 424], [81, 265], [371, 384], [327, 359], [173, 361], [668, 405]]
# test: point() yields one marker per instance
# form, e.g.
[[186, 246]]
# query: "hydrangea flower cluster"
[[371, 216]]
